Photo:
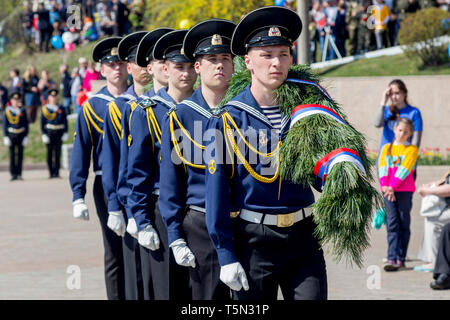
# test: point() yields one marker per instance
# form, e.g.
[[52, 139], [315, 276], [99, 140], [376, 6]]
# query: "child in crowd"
[[396, 166]]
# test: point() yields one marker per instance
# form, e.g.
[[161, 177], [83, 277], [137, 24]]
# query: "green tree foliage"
[[419, 31], [186, 13]]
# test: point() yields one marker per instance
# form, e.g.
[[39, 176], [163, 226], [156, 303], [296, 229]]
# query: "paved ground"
[[43, 249]]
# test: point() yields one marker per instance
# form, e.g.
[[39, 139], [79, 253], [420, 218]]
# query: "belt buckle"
[[234, 214], [285, 220]]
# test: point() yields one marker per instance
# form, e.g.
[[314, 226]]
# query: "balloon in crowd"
[[57, 42]]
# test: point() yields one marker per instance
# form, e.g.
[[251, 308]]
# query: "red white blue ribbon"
[[311, 83], [305, 110], [324, 165]]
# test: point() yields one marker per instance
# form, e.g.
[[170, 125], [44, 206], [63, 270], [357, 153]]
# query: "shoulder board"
[[160, 99], [103, 96], [197, 108], [145, 103]]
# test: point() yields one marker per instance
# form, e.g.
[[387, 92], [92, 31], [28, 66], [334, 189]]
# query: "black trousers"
[[112, 243], [290, 258], [54, 152], [16, 154], [146, 269], [204, 278], [132, 268], [170, 281], [442, 264]]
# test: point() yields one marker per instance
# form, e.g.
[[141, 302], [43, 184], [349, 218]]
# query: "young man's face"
[[52, 99], [156, 69], [114, 72], [269, 65], [139, 74], [181, 74], [15, 102], [215, 70]]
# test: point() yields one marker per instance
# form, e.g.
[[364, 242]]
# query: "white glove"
[[64, 137], [132, 228], [148, 238], [6, 141], [80, 210], [233, 275], [183, 255], [116, 222], [25, 141], [45, 139]]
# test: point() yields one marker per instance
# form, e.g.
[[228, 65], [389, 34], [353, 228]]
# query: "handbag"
[[432, 206]]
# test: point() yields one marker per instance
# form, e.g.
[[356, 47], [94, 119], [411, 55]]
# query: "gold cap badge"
[[182, 51], [114, 51], [216, 40], [274, 32]]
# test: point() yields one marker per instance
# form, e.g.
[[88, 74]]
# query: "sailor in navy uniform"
[[89, 139], [144, 59], [170, 281], [110, 164], [54, 131], [15, 130], [182, 189], [271, 242]]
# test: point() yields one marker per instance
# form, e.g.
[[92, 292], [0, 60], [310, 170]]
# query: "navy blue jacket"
[[123, 188], [88, 139], [144, 156], [111, 147], [183, 184], [231, 187], [50, 120]]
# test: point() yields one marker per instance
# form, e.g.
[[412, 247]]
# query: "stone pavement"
[[40, 243]]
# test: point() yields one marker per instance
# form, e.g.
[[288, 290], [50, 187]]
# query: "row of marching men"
[[165, 217], [15, 132]]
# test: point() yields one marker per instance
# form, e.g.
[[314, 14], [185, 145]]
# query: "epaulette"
[[146, 102]]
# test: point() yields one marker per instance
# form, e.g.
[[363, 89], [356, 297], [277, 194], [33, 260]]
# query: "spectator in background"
[[3, 96], [352, 22], [363, 33], [107, 24], [119, 14], [44, 85], [31, 91], [320, 20], [26, 17], [340, 27], [16, 82], [35, 23], [331, 12], [90, 74], [381, 15], [75, 88], [412, 6], [65, 87], [45, 28], [82, 66]]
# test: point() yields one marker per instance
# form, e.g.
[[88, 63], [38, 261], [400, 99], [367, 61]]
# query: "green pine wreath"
[[343, 212]]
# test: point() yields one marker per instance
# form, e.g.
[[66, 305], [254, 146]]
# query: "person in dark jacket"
[[45, 27], [65, 87]]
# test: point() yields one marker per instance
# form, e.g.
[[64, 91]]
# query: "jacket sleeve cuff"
[[226, 256], [113, 205], [175, 234]]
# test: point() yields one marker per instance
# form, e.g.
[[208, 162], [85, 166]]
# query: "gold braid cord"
[[48, 115], [116, 117], [229, 139], [88, 112], [173, 117], [12, 119]]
